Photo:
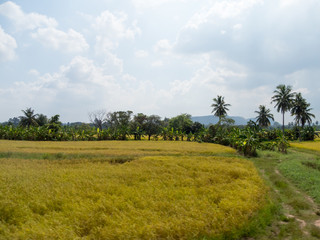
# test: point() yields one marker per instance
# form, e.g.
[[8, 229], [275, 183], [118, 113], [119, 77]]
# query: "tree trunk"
[[283, 122]]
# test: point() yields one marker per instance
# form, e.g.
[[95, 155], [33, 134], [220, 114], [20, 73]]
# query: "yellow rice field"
[[311, 145], [166, 190], [114, 147]]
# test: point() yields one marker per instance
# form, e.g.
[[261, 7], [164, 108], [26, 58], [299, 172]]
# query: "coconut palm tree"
[[219, 106], [307, 115], [283, 98], [301, 110], [264, 116], [29, 118], [299, 104], [42, 119]]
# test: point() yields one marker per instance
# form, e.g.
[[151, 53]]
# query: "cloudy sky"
[[163, 57]]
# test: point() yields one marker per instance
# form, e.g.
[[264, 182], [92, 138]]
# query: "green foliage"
[[264, 116], [270, 146], [152, 126], [309, 133], [119, 122], [282, 143], [54, 124], [245, 141], [301, 110], [181, 123], [29, 119], [283, 99], [42, 119], [219, 107], [137, 125]]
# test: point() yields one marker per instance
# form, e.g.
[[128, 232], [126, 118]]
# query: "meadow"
[[304, 169], [126, 190]]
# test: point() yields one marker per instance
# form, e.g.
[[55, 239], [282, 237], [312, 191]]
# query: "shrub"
[[282, 143]]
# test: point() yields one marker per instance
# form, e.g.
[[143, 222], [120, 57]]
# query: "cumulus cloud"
[[222, 10], [7, 46], [23, 21], [44, 29], [272, 35], [163, 46], [111, 28], [79, 83], [71, 41], [79, 87], [147, 4], [113, 25], [241, 49]]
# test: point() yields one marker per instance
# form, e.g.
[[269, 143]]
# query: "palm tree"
[[264, 116], [283, 98], [297, 109], [220, 108], [29, 118], [42, 119], [301, 111], [307, 115]]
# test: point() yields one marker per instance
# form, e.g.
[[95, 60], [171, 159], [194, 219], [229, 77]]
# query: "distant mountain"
[[206, 120]]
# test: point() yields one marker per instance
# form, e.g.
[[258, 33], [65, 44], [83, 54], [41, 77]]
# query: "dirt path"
[[307, 218]]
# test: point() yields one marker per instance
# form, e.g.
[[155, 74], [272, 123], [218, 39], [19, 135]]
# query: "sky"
[[163, 57]]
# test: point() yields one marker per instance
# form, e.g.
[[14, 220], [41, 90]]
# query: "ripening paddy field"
[[125, 190], [310, 145]]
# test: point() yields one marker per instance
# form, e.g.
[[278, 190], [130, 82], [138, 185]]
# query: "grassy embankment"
[[295, 180], [127, 190]]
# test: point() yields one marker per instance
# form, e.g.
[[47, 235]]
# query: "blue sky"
[[163, 57]]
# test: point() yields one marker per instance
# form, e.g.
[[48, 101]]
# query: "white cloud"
[[24, 21], [237, 26], [34, 72], [147, 4], [71, 41], [113, 25], [111, 28], [241, 49], [141, 53], [163, 46], [7, 46], [263, 36], [158, 63], [288, 3], [45, 29], [220, 9], [80, 86], [112, 64]]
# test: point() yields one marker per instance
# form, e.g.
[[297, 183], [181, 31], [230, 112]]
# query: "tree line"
[[119, 125], [285, 100], [124, 125]]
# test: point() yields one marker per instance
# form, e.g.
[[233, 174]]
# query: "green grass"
[[289, 180], [302, 170]]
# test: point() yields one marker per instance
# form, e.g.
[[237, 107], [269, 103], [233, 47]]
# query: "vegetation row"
[[122, 125]]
